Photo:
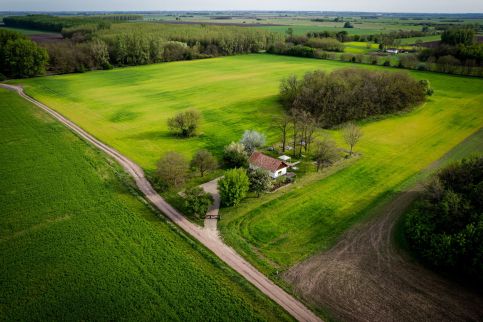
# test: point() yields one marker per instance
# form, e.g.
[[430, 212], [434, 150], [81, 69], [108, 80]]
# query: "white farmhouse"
[[275, 168]]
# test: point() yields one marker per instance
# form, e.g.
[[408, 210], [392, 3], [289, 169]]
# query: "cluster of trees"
[[445, 228], [100, 46], [327, 44], [458, 49], [173, 169], [75, 57], [351, 94], [19, 56], [297, 131], [204, 40], [456, 36], [461, 60], [236, 183], [57, 23]]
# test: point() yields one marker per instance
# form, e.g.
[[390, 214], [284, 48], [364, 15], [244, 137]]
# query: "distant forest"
[[101, 42]]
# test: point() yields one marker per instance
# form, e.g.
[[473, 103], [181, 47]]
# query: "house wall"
[[275, 175], [279, 173]]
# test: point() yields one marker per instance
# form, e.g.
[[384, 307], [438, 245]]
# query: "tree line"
[[97, 46], [460, 60], [458, 48], [343, 36], [351, 94], [445, 226], [57, 23]]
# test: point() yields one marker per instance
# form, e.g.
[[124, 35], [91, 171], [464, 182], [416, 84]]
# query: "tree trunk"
[[284, 139]]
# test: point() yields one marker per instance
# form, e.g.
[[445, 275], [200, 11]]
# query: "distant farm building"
[[392, 51], [275, 167]]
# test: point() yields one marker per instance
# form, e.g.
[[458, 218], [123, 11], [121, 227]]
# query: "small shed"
[[275, 167], [284, 158]]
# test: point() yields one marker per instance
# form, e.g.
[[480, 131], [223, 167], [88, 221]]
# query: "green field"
[[76, 244], [128, 108], [413, 40], [357, 47]]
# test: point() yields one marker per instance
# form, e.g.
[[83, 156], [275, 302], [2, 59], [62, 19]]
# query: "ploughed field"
[[128, 108], [76, 244]]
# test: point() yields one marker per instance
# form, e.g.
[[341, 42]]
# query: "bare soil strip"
[[365, 277], [211, 241]]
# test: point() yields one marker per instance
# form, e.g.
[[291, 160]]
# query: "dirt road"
[[366, 278], [211, 241]]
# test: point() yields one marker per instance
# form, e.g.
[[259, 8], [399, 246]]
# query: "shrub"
[[233, 187], [197, 201], [326, 153], [235, 156], [172, 169], [252, 140], [185, 123], [203, 161], [260, 181], [327, 44]]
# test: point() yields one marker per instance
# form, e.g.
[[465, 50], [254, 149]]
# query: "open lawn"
[[76, 244], [127, 108]]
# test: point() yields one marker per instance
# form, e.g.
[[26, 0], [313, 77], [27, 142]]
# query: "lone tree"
[[260, 181], [197, 201], [252, 140], [282, 123], [172, 169], [326, 153], [235, 155], [185, 123], [352, 134], [204, 161], [233, 187]]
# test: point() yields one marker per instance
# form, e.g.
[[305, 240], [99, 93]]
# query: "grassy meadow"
[[128, 109], [76, 244]]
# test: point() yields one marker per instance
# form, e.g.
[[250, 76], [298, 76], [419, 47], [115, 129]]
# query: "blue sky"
[[440, 6]]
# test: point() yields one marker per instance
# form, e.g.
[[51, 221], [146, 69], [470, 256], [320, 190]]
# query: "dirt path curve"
[[366, 278], [212, 242]]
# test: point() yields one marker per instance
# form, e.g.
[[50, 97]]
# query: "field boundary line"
[[210, 241]]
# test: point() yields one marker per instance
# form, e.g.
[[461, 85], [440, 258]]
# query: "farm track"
[[209, 240], [365, 277]]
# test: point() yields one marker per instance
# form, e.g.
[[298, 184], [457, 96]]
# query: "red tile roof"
[[263, 161]]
